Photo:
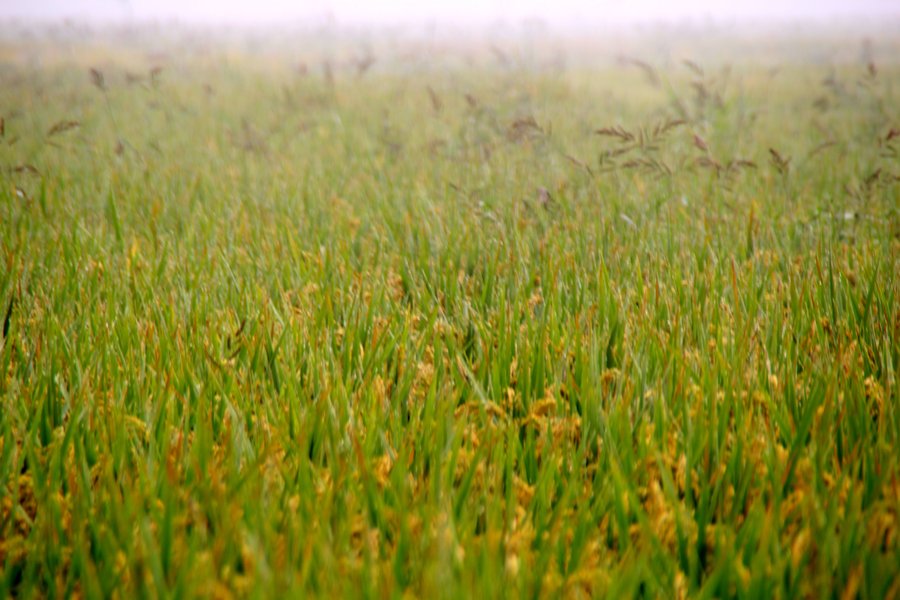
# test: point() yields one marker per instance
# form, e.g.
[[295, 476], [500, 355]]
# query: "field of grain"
[[339, 315]]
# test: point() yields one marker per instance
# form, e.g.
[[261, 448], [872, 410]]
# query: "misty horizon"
[[564, 13]]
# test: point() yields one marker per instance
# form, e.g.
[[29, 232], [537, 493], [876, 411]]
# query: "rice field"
[[343, 316]]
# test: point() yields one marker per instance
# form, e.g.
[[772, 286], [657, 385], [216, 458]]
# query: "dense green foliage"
[[497, 328]]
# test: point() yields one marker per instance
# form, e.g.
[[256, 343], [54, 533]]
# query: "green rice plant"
[[408, 325]]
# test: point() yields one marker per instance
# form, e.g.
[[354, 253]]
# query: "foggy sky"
[[380, 12]]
